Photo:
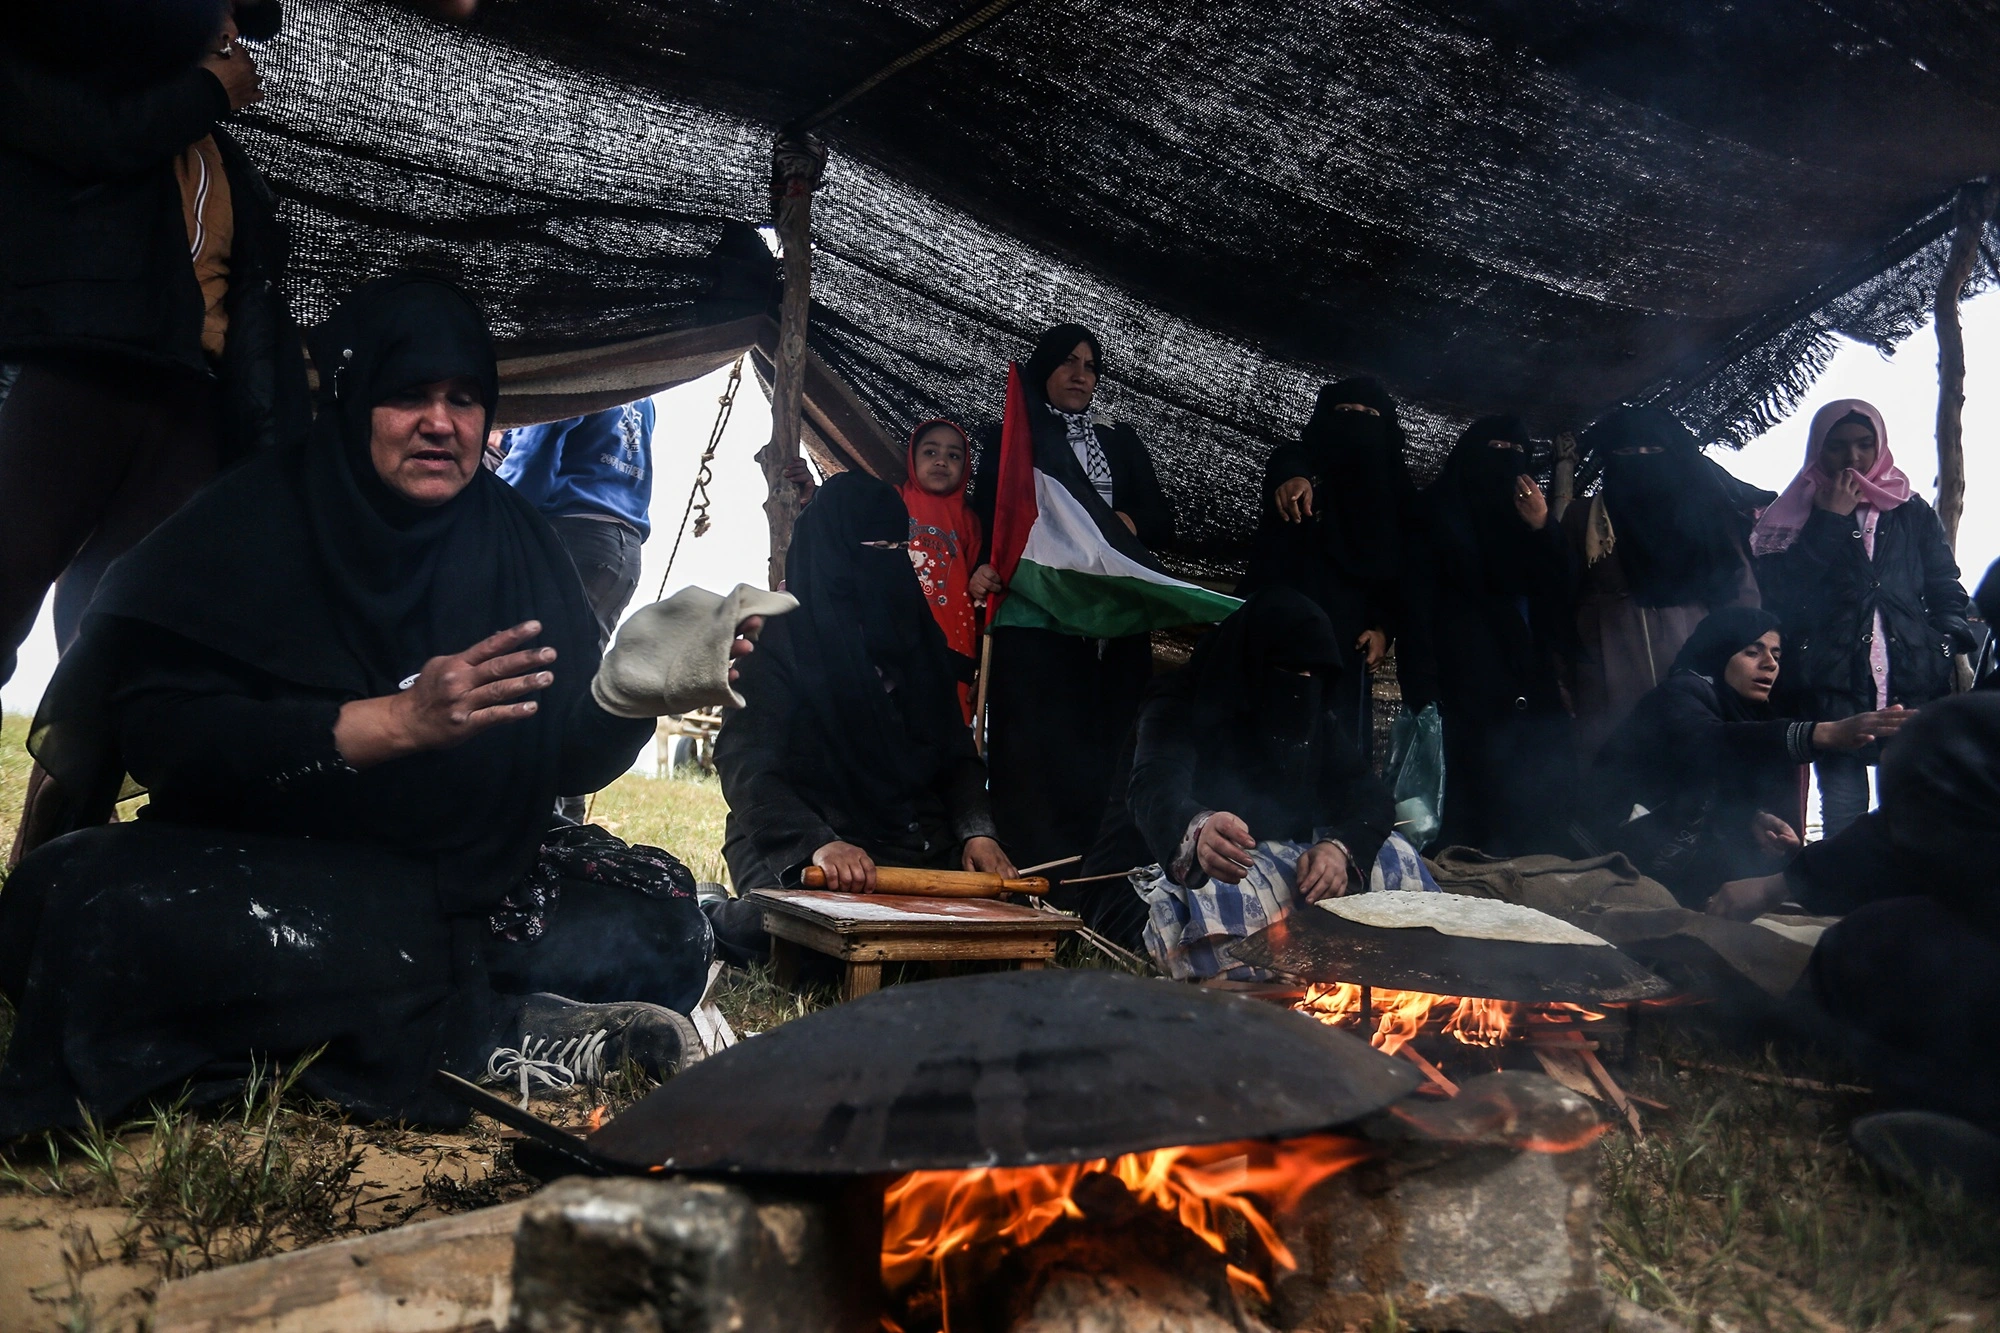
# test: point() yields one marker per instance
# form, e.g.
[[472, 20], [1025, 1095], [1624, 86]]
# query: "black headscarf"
[[1481, 536], [1680, 537], [1941, 797], [1719, 637], [862, 623], [1256, 712], [303, 566], [1051, 350], [1359, 485]]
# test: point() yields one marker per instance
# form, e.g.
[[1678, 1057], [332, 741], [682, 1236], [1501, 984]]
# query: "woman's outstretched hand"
[[1295, 500], [1222, 849], [452, 700], [1851, 733], [847, 867], [986, 856], [1323, 872], [1748, 899], [1374, 646]]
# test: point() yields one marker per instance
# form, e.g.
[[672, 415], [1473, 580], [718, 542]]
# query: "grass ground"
[[1740, 1209]]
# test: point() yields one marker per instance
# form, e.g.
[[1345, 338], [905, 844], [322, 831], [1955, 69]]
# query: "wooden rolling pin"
[[938, 883]]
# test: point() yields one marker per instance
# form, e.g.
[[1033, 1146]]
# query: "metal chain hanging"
[[704, 473]]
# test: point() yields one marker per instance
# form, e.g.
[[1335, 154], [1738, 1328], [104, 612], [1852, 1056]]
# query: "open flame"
[[927, 1215], [1399, 1015]]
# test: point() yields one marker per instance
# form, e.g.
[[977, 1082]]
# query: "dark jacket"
[[94, 250], [1702, 778], [1292, 555], [1478, 654], [785, 797], [1135, 489], [1827, 591]]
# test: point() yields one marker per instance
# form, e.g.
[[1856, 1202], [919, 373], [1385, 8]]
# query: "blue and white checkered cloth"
[[1189, 930]]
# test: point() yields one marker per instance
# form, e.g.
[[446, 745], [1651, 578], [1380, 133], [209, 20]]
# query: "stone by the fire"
[[1477, 1234], [1139, 1298], [685, 1256]]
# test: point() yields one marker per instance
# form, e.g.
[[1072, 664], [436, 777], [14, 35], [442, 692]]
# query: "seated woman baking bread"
[[1246, 797], [1702, 783], [853, 751], [354, 675]]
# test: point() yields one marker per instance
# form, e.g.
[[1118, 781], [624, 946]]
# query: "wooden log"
[[1972, 210], [454, 1275], [797, 164], [938, 883]]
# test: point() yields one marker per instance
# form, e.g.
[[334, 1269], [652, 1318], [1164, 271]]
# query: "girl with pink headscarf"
[[1858, 567]]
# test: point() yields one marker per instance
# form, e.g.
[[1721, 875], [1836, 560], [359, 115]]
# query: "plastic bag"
[[1416, 775]]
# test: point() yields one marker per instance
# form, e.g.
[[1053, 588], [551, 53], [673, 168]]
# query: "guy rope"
[[705, 472]]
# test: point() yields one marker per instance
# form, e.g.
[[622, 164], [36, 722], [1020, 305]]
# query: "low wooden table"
[[866, 930]]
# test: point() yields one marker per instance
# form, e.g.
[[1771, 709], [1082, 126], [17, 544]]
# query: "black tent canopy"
[[1546, 206]]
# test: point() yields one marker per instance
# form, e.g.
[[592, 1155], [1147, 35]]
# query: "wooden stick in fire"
[[938, 883]]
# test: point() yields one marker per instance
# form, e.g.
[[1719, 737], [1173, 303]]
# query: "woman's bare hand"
[[1774, 836], [1223, 848], [1374, 646], [847, 867], [987, 857], [1843, 497], [985, 581], [1323, 872], [1851, 733], [453, 699], [1530, 503], [1295, 500]]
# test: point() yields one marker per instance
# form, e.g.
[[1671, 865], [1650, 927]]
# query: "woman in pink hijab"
[[1857, 566]]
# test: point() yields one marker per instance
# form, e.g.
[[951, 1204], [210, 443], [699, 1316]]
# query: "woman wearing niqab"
[[1334, 508], [1059, 706], [1245, 795], [1491, 616], [852, 751], [1857, 566], [353, 676], [1664, 542]]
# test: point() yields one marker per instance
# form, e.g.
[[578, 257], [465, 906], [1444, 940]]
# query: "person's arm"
[[597, 747], [1140, 497], [752, 757], [93, 134], [1161, 792], [1945, 601], [192, 724]]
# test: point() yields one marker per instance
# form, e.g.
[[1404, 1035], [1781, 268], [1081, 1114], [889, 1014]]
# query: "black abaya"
[[272, 899], [1490, 614], [1347, 555]]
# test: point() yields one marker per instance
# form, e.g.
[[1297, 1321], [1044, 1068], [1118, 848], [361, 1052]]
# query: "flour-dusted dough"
[[1457, 914]]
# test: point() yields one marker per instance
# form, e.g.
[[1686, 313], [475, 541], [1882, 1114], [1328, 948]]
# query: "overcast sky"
[[735, 548]]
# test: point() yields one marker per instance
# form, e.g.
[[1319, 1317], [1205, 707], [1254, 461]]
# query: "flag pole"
[[979, 695]]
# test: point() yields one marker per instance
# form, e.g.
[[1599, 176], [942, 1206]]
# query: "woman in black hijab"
[[852, 751], [1491, 602], [1059, 705], [1334, 508], [1664, 542], [347, 842], [1701, 784], [1243, 772]]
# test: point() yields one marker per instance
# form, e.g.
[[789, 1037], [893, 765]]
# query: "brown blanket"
[[1608, 897]]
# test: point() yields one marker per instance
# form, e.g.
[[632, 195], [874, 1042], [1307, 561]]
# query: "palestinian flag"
[[1068, 562]]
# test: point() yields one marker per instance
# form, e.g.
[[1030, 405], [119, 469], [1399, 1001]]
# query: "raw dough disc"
[[1458, 914]]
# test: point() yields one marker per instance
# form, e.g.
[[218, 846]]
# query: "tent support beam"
[[1971, 211], [796, 167]]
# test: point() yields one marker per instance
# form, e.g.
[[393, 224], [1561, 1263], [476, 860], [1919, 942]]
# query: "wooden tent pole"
[[797, 164], [1971, 211]]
